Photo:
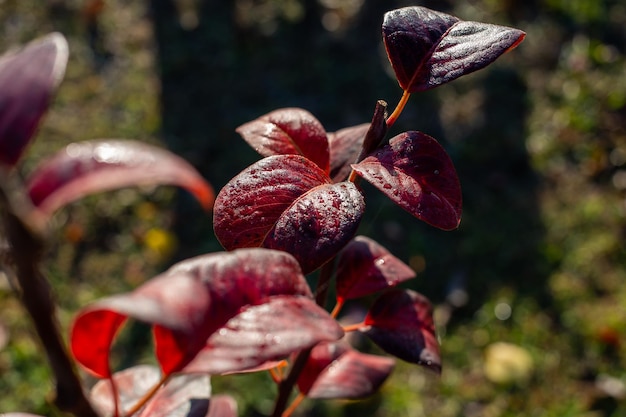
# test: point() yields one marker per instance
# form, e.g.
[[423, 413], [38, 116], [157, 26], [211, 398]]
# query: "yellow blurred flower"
[[160, 242], [506, 363]]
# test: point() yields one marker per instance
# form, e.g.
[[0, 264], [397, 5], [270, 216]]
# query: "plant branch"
[[286, 386], [374, 136], [289, 411], [25, 253]]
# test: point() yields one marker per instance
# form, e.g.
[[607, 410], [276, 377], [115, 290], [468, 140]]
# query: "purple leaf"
[[401, 323], [345, 147], [288, 131], [366, 267], [94, 166], [416, 173], [28, 78], [335, 370], [286, 202], [186, 305], [427, 48], [247, 208], [265, 332], [318, 224]]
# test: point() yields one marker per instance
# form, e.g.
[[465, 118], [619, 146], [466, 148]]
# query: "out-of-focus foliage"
[[539, 140]]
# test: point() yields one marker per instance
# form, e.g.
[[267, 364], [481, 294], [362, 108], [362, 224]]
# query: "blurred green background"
[[530, 290]]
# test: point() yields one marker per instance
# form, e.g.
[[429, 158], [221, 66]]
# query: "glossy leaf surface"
[[247, 208], [366, 267], [416, 173], [287, 203], [288, 131], [345, 147], [401, 323], [335, 370], [427, 48], [318, 224], [186, 305], [265, 332], [94, 166], [28, 79]]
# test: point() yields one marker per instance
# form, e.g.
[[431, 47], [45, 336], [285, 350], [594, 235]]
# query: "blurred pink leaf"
[[185, 395], [222, 406], [416, 173], [289, 131], [365, 267], [265, 332], [94, 166], [335, 370], [401, 323], [427, 48], [345, 147], [19, 415], [132, 384], [28, 78], [186, 304]]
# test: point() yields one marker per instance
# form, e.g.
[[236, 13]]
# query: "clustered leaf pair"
[[289, 214]]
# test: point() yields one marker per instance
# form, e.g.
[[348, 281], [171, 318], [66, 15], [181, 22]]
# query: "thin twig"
[[25, 254]]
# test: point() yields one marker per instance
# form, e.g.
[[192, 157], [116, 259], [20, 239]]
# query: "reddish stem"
[[292, 407], [353, 327], [396, 112], [144, 400], [337, 309]]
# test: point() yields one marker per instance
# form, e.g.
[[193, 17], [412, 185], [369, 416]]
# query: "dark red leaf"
[[427, 48], [95, 166], [222, 406], [28, 78], [247, 208], [320, 358], [186, 305], [345, 146], [416, 173], [265, 332], [286, 202], [337, 371], [318, 224], [366, 267], [288, 131], [401, 323]]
